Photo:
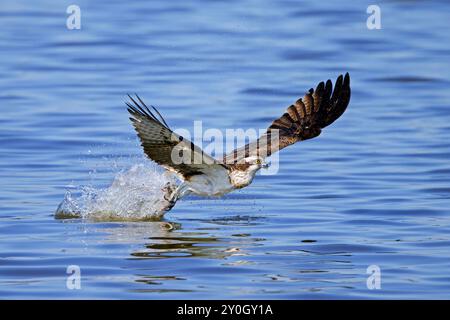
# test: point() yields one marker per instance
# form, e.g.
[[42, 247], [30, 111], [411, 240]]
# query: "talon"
[[167, 187], [168, 191]]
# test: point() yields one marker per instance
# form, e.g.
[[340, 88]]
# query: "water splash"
[[135, 194]]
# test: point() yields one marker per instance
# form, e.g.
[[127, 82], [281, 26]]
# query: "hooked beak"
[[265, 165]]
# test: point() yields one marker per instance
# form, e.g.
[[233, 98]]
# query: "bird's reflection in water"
[[185, 245], [171, 242], [166, 256], [167, 240]]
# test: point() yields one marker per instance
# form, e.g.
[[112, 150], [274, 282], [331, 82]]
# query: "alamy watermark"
[[374, 280], [374, 20], [73, 21], [73, 281], [229, 146]]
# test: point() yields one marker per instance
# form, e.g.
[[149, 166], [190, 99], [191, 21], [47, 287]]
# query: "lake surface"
[[372, 190]]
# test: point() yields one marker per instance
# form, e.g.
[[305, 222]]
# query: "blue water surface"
[[373, 189]]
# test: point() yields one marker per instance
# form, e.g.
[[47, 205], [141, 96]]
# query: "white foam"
[[135, 194]]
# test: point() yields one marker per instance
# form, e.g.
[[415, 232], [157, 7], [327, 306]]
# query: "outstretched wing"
[[165, 147], [303, 120]]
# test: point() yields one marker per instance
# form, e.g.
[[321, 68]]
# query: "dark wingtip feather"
[[320, 86], [339, 101], [160, 116], [347, 79], [329, 86], [140, 109]]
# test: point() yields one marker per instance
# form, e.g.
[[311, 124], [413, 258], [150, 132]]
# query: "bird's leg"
[[179, 192], [168, 190], [185, 191], [172, 194]]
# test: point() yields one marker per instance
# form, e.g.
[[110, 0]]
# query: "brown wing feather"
[[303, 120], [159, 141]]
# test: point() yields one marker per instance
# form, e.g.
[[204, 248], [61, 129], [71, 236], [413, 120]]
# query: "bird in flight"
[[204, 175]]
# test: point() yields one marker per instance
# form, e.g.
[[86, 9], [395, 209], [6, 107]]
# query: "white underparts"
[[215, 183], [240, 179]]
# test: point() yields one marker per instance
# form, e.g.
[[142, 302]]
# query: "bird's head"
[[255, 163]]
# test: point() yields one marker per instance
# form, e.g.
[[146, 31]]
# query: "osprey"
[[204, 175]]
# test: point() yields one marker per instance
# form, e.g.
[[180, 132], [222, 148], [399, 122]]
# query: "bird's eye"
[[258, 161]]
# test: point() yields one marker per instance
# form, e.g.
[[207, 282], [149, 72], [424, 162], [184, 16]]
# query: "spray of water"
[[135, 194]]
